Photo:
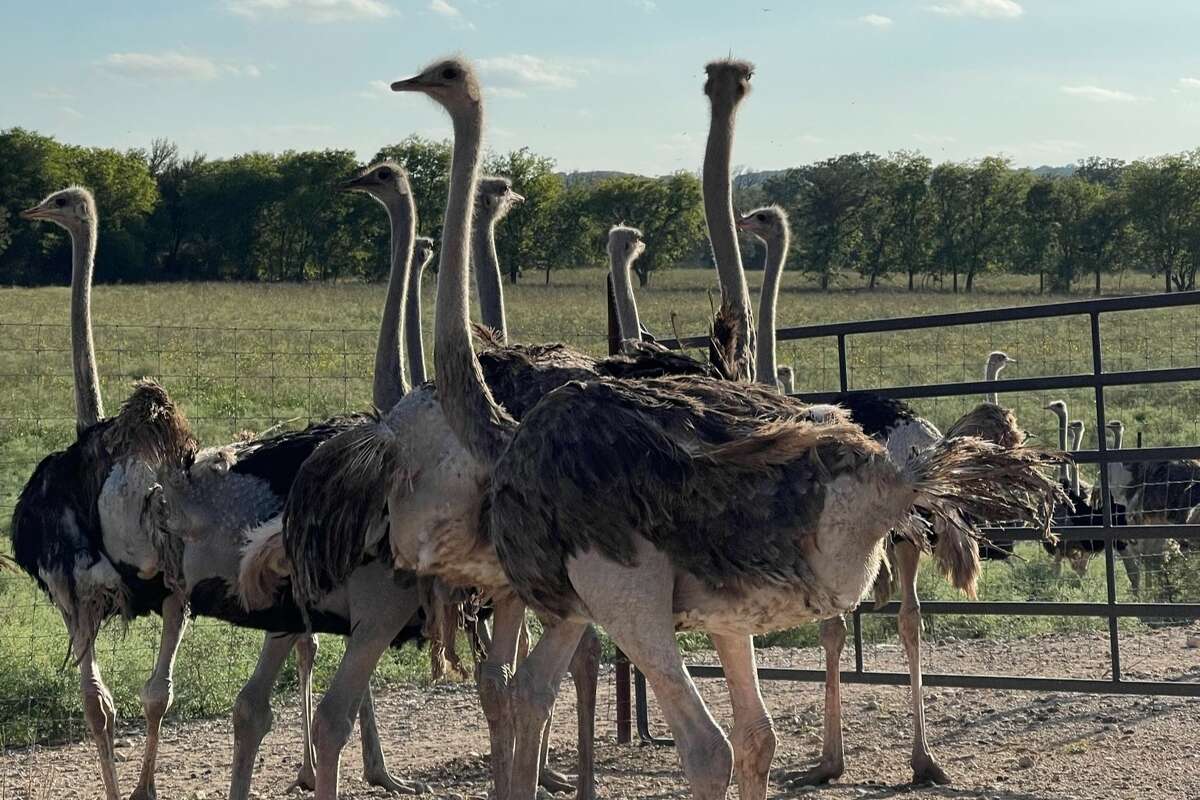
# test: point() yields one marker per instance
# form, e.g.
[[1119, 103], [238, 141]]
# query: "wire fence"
[[236, 380]]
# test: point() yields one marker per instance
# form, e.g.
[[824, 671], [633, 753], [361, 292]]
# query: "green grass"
[[244, 357]]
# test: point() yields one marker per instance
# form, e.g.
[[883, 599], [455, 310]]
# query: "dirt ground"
[[1007, 745]]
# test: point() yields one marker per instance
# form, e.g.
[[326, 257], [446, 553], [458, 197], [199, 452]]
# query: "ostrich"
[[770, 224], [1078, 510], [996, 361], [495, 199], [897, 426], [57, 533], [698, 458], [786, 377]]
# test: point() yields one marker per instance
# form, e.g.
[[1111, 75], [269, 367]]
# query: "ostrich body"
[[1078, 509], [699, 458], [895, 425]]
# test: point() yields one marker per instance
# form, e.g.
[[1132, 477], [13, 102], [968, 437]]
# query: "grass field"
[[243, 357]]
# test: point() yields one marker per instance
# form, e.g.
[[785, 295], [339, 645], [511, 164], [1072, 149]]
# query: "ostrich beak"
[[351, 185], [1008, 360], [416, 83], [34, 213], [742, 223], [515, 198]]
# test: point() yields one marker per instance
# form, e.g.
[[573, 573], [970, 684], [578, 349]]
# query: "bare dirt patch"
[[1010, 745]]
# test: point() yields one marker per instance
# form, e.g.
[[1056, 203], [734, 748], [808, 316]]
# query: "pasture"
[[253, 357]]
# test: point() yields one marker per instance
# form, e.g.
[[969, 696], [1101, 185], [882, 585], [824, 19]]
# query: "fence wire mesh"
[[237, 380]]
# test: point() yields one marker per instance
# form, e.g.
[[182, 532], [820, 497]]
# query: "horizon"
[[619, 88]]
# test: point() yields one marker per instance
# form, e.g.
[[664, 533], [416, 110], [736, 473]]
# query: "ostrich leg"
[[925, 767], [634, 604], [157, 694], [753, 731], [833, 759], [493, 678], [585, 672], [101, 716], [252, 711], [375, 770], [306, 656], [378, 611]]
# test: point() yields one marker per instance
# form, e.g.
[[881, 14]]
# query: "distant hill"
[[591, 177], [1047, 171]]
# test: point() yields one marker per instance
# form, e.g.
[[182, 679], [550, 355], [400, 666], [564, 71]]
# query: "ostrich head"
[[451, 83], [1117, 427], [422, 251], [72, 208], [998, 360], [1058, 408], [786, 377], [495, 197], [383, 181], [728, 82], [767, 223], [1075, 430], [625, 243]]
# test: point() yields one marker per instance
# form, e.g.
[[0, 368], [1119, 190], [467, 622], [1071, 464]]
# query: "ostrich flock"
[[646, 492]]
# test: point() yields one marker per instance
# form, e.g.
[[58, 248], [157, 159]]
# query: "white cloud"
[[1099, 94], [70, 112], [443, 9], [172, 65], [522, 70], [504, 91], [316, 11], [984, 9], [649, 6], [876, 20], [1190, 83]]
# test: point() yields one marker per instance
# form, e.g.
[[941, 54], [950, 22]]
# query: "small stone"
[[871, 705], [120, 743], [1193, 641], [1025, 762], [199, 794]]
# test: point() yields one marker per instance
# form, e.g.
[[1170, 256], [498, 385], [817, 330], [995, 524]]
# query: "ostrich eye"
[[60, 202], [384, 174], [450, 73], [628, 246], [761, 217]]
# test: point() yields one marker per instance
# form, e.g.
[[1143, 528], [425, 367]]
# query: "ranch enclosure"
[[256, 357]]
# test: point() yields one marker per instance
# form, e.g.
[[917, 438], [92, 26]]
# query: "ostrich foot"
[[556, 782], [385, 781], [926, 771], [823, 772], [306, 780]]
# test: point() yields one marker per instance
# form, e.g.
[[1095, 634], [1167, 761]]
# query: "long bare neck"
[[1064, 473], [991, 371], [482, 426], [1073, 468], [718, 215], [389, 384], [89, 408], [488, 281], [776, 258], [627, 313], [414, 340]]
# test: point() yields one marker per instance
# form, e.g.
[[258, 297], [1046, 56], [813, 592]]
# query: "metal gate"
[[1097, 380]]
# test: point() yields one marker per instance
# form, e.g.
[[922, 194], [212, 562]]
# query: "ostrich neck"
[[472, 413], [89, 408], [627, 313], [487, 276], [776, 257], [389, 385], [414, 341], [1064, 472], [718, 216], [1073, 468], [990, 373]]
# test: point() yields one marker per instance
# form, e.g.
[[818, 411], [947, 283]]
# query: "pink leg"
[[753, 731], [925, 767], [493, 678], [101, 716], [833, 757], [252, 711], [306, 656], [157, 694]]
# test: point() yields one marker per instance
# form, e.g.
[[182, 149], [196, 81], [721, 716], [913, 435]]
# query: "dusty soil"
[[1010, 745]]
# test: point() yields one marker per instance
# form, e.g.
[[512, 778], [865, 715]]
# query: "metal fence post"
[[1110, 556], [624, 709]]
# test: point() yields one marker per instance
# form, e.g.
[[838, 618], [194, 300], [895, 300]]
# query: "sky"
[[615, 84]]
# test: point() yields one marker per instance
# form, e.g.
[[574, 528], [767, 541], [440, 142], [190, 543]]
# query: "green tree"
[[1036, 230], [948, 186], [1163, 197], [519, 238]]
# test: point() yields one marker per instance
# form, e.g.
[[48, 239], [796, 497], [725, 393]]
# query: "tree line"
[[856, 218]]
